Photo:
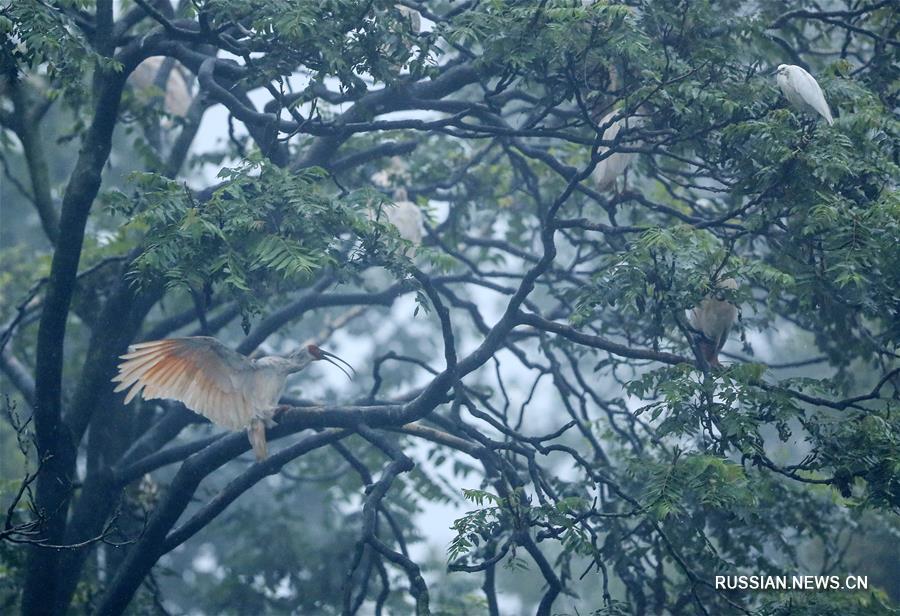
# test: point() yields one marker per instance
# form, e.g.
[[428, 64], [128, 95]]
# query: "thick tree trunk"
[[55, 445]]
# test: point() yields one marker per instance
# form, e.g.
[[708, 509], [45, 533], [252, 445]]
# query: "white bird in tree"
[[229, 389], [714, 318], [412, 15], [407, 218], [396, 172], [177, 96], [802, 91], [405, 215], [610, 168]]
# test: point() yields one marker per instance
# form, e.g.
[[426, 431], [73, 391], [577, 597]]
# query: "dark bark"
[[157, 540], [55, 444]]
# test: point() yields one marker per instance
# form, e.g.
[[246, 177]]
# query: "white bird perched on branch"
[[412, 15], [405, 215], [177, 95], [802, 91], [407, 218], [610, 168], [396, 172], [714, 318], [229, 389]]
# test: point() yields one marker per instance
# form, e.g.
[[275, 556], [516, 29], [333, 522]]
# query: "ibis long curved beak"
[[330, 357]]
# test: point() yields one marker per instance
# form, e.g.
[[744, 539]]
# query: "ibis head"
[[317, 354]]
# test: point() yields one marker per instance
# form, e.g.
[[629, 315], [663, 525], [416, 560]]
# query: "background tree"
[[533, 357]]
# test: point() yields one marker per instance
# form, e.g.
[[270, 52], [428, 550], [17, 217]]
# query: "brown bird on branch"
[[229, 389], [713, 318]]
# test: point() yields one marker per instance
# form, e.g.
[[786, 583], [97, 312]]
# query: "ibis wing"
[[203, 374]]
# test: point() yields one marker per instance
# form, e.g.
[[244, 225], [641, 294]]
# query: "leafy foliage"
[[261, 229]]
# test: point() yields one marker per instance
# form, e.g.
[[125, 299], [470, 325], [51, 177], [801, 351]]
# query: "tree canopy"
[[222, 167]]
